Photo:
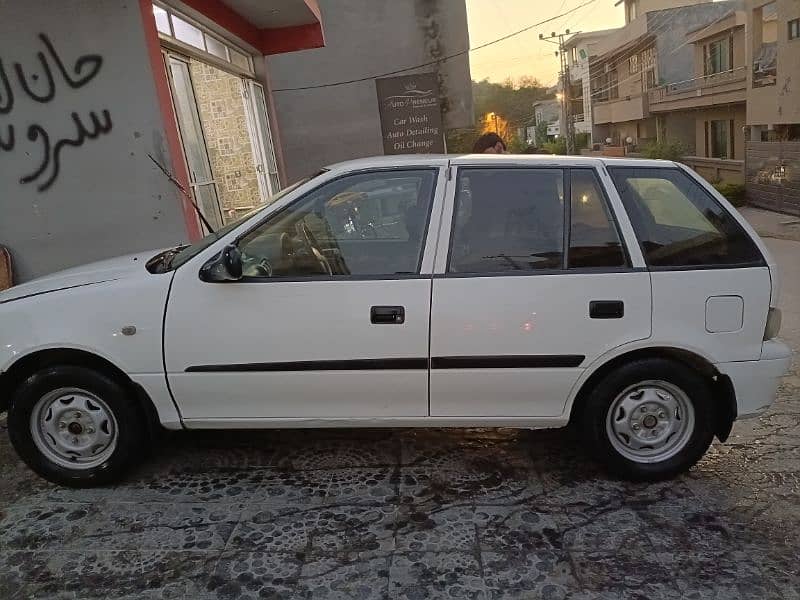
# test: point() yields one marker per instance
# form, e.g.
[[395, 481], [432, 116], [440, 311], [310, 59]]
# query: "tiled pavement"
[[415, 514]]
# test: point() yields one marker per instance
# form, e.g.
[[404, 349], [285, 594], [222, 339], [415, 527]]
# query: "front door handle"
[[606, 309], [387, 315]]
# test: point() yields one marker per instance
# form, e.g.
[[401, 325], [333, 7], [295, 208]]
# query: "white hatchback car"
[[626, 296]]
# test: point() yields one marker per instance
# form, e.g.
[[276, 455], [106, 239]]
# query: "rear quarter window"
[[679, 224]]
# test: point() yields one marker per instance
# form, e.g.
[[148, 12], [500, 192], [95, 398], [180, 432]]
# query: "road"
[[418, 514]]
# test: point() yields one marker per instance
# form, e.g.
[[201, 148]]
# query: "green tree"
[[541, 133], [512, 102]]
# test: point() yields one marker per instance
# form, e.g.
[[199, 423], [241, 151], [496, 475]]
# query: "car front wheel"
[[650, 419], [75, 426]]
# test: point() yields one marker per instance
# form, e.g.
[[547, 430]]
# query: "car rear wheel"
[[75, 426], [650, 419]]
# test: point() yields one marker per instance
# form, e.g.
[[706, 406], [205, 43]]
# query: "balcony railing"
[[700, 87]]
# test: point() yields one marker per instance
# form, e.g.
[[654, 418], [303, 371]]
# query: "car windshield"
[[186, 253]]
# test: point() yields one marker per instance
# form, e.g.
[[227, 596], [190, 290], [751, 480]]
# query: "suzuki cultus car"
[[624, 296]]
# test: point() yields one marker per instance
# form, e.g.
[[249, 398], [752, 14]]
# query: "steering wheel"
[[311, 241]]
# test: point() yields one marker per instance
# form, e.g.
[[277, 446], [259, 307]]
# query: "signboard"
[[411, 120]]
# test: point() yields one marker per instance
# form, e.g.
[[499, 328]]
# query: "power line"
[[438, 60]]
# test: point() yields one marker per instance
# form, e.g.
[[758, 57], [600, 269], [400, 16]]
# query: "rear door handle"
[[387, 315], [606, 309]]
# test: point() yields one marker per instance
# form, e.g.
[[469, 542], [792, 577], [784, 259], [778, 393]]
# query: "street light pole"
[[566, 108]]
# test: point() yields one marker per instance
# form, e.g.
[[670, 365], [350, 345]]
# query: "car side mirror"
[[225, 266]]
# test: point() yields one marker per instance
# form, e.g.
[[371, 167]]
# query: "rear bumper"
[[755, 382]]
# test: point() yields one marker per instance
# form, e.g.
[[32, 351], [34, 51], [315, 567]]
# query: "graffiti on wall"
[[42, 85]]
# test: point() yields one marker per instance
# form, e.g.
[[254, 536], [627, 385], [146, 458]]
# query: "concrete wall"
[[679, 126], [103, 197], [776, 104], [327, 125]]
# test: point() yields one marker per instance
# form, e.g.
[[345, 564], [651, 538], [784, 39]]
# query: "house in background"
[[649, 51], [712, 98], [546, 111], [580, 48], [773, 104]]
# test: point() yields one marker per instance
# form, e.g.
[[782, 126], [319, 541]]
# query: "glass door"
[[261, 137], [202, 182]]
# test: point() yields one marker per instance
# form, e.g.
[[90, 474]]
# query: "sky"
[[525, 54]]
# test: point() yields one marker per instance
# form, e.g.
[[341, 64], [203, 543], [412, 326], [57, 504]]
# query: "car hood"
[[131, 265]]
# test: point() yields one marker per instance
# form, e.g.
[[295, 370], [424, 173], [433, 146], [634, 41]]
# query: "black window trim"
[[436, 170], [709, 267], [564, 270]]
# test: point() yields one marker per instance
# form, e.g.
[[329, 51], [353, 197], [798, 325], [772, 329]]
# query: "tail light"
[[773, 324]]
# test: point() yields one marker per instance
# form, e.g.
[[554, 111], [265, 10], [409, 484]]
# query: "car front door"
[[534, 285], [330, 319]]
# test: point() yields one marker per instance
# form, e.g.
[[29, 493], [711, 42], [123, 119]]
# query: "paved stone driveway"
[[417, 514]]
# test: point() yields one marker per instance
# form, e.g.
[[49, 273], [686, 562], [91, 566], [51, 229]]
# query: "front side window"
[[678, 223], [508, 221], [360, 225], [593, 237]]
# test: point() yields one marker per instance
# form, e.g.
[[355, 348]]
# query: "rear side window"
[[508, 220], [593, 237], [678, 223]]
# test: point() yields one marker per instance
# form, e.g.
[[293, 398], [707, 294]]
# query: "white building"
[[579, 48]]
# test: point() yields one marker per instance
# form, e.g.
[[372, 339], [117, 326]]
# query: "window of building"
[[649, 80], [574, 53], [365, 224], [180, 28], [613, 85], [649, 58], [718, 134], [678, 223], [631, 10], [508, 221], [593, 237], [633, 64], [765, 45], [718, 56], [794, 29]]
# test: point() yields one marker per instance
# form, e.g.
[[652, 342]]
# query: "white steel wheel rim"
[[650, 422], [74, 428]]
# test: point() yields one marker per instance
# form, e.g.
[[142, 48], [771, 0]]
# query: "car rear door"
[[533, 282], [331, 319], [711, 283]]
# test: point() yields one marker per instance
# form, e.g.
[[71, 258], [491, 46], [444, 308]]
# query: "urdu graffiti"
[[42, 85]]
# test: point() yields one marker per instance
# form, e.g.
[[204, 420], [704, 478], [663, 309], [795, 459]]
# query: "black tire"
[[130, 431], [601, 398]]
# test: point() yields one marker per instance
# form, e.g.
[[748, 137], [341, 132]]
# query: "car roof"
[[495, 160]]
